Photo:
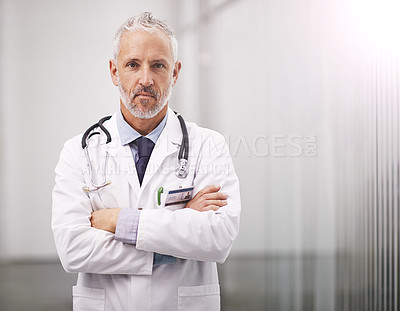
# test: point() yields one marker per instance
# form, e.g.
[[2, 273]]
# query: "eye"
[[132, 65], [159, 65]]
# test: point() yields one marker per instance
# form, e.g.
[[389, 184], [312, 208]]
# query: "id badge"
[[174, 199]]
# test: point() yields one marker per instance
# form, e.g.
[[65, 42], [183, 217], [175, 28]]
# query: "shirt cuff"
[[160, 259], [127, 225]]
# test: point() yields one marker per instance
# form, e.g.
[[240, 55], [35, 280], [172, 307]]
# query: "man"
[[122, 217]]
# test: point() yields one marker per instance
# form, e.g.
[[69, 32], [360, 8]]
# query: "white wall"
[[268, 73], [54, 84]]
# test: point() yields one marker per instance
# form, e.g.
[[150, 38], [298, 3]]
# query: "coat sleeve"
[[190, 234], [80, 247]]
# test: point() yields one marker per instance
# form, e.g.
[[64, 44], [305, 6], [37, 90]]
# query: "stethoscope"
[[181, 171]]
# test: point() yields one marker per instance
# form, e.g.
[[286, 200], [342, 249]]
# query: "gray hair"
[[145, 22]]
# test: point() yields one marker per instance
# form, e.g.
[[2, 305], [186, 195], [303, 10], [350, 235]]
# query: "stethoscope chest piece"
[[182, 170]]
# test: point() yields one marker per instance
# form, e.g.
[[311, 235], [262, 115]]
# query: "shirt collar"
[[128, 134]]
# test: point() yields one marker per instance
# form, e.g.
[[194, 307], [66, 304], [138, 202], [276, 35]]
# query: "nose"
[[146, 78]]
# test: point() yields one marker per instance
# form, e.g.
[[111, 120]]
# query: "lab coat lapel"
[[168, 143], [122, 155], [127, 165]]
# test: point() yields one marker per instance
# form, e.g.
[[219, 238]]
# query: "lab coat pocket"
[[199, 298], [88, 299]]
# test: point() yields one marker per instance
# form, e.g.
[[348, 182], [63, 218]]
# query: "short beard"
[[146, 112]]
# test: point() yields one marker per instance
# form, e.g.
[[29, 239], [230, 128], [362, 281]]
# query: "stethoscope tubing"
[[88, 133], [183, 154], [184, 150]]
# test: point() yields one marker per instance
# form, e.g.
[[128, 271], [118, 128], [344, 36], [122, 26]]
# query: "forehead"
[[140, 44]]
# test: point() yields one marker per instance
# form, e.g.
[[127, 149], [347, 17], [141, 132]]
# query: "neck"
[[143, 126]]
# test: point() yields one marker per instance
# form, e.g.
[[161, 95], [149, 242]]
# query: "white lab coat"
[[117, 276]]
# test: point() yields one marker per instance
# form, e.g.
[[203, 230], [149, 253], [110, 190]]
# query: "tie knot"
[[145, 146]]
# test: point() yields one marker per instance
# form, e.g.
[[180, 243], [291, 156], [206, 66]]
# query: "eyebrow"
[[132, 60], [161, 60]]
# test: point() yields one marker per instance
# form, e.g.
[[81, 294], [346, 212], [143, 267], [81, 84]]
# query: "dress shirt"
[[128, 219]]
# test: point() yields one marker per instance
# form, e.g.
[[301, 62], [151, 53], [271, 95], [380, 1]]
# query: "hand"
[[208, 199], [105, 219]]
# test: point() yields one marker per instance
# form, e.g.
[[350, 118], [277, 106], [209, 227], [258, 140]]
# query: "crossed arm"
[[209, 198]]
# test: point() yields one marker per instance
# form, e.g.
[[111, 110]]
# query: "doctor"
[[132, 250]]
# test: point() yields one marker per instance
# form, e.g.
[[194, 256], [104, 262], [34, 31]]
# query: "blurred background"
[[306, 94]]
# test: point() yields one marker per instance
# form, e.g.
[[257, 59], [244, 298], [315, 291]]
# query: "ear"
[[113, 72], [175, 73]]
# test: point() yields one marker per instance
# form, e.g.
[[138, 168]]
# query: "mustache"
[[146, 89]]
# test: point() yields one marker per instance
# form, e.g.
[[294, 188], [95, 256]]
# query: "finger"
[[209, 208], [219, 203], [215, 196], [92, 221], [208, 189]]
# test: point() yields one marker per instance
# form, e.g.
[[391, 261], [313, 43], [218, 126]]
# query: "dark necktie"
[[145, 147]]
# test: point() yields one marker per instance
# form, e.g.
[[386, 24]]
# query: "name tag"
[[174, 199]]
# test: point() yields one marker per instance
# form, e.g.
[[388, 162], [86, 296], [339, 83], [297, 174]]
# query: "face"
[[145, 72]]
